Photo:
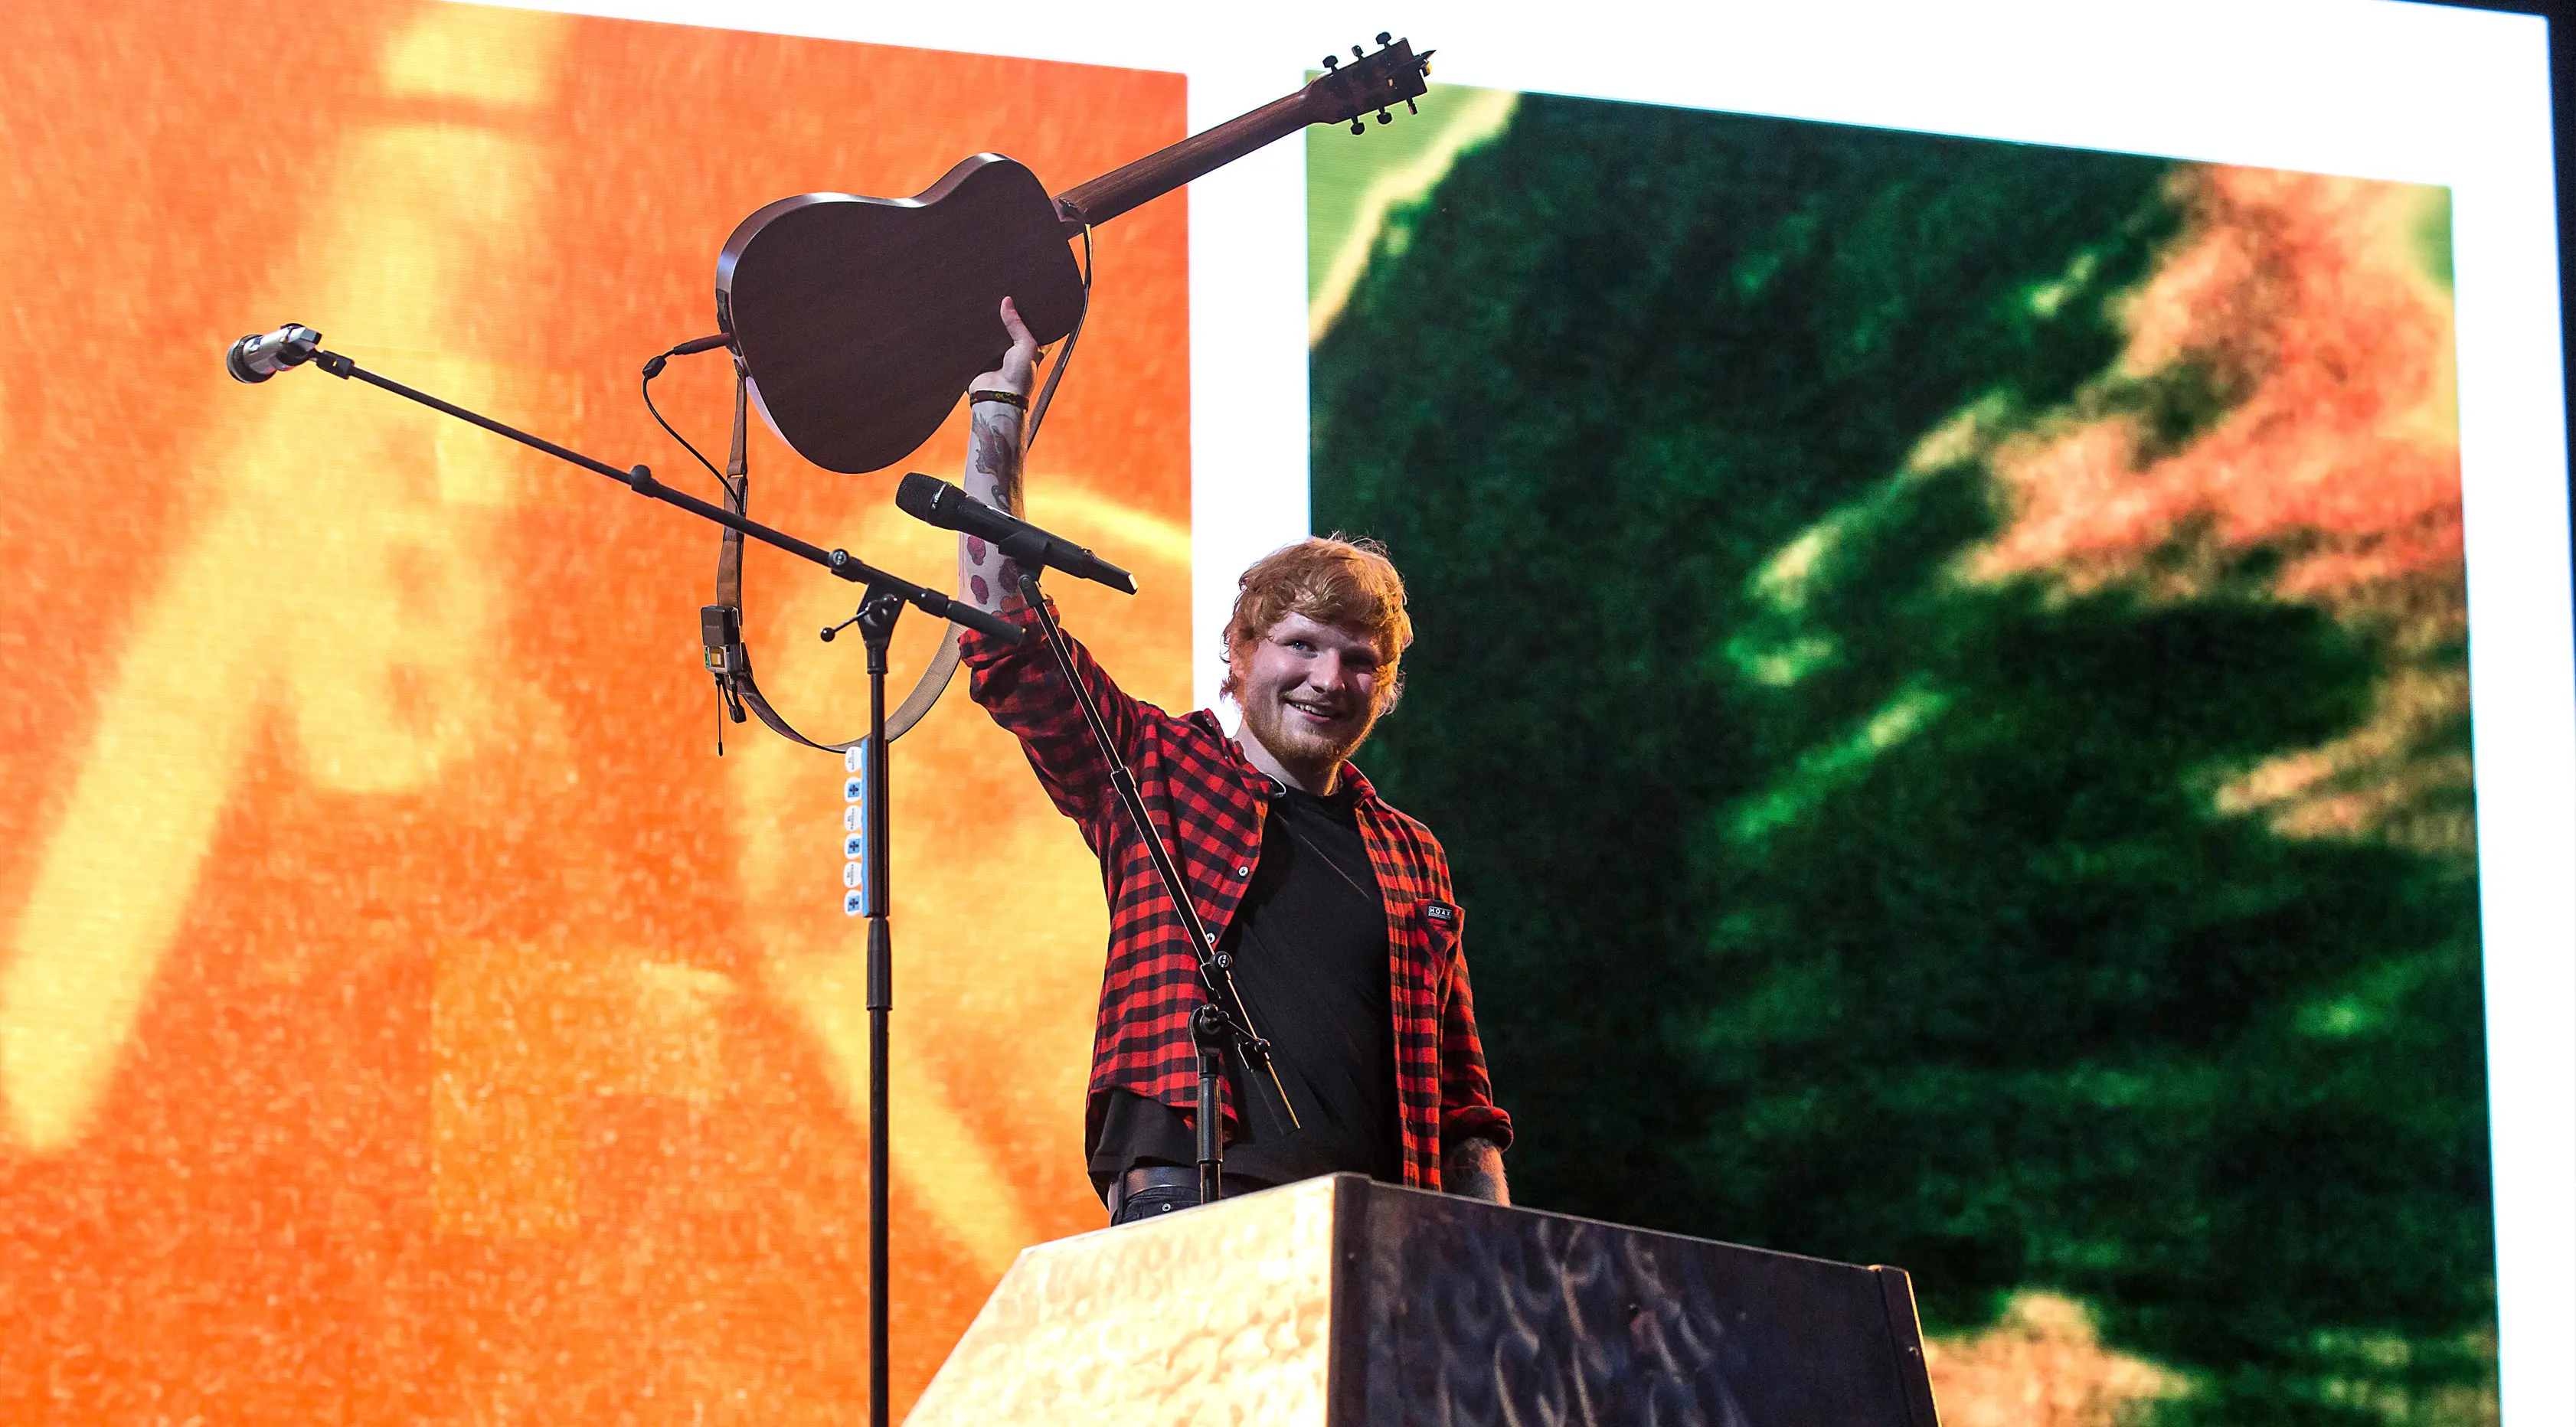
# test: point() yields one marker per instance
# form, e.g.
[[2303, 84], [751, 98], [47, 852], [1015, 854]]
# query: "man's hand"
[[1473, 1169], [1019, 369]]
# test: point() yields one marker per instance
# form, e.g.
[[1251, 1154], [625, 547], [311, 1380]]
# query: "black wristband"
[[997, 394]]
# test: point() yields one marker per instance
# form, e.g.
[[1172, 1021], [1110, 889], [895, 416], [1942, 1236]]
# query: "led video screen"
[[2006, 762], [407, 1015]]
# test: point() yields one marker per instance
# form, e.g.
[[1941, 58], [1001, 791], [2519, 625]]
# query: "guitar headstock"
[[1395, 74]]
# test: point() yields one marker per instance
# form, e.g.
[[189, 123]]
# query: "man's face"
[[1309, 691]]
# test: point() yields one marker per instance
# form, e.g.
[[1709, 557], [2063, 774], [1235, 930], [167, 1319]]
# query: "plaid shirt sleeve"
[[1201, 798], [1020, 685], [1467, 1108]]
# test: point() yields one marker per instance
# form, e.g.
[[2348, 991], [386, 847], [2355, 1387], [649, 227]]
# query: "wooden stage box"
[[1339, 1302]]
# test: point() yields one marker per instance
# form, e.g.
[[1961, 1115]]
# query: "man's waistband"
[[1164, 1176]]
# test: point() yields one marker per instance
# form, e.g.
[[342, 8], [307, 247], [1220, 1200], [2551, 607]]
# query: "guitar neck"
[[1160, 172]]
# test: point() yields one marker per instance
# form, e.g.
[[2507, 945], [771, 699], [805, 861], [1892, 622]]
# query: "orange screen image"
[[405, 1016]]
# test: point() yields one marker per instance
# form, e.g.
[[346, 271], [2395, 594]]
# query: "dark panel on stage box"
[[1447, 1309]]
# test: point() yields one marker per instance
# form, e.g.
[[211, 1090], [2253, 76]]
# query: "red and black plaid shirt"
[[1208, 802]]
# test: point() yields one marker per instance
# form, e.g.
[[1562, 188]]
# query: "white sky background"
[[2362, 87]]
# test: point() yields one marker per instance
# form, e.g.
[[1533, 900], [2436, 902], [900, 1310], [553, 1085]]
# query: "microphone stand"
[[875, 619], [1221, 1024], [886, 597]]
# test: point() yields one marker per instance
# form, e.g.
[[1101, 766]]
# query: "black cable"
[[653, 369]]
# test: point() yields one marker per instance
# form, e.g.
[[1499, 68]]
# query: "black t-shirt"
[[1310, 958]]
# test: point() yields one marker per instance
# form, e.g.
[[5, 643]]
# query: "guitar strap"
[[720, 624]]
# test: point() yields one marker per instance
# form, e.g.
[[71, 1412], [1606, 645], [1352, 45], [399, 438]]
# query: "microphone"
[[262, 355], [936, 502]]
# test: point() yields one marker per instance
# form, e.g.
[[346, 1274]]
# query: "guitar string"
[[1373, 899], [1270, 951]]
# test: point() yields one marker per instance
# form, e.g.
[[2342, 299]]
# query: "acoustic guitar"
[[861, 320]]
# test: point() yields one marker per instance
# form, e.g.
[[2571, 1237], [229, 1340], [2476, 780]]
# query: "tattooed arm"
[[1474, 1167], [995, 430], [1020, 684]]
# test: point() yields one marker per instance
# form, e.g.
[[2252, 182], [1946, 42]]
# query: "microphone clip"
[[262, 355]]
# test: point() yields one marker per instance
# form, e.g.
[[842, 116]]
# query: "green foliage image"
[[1826, 901]]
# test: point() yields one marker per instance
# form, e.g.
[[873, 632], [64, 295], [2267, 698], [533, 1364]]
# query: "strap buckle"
[[720, 630]]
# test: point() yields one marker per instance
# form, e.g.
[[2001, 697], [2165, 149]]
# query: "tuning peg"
[[1358, 127], [1358, 53], [1384, 117], [1384, 39], [1409, 109], [1331, 63]]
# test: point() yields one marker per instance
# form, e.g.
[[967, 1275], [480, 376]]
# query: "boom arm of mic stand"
[[1213, 968], [640, 480]]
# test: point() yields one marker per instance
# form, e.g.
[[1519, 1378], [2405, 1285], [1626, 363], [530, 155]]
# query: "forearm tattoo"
[[993, 477], [1473, 1168]]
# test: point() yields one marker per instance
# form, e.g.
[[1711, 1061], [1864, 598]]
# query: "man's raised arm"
[[1019, 684], [996, 427]]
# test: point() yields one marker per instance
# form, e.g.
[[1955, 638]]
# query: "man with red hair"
[[1335, 908]]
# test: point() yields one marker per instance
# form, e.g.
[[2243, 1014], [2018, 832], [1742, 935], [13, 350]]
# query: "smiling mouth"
[[1321, 713]]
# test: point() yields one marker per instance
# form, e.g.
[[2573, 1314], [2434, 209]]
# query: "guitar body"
[[861, 320]]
